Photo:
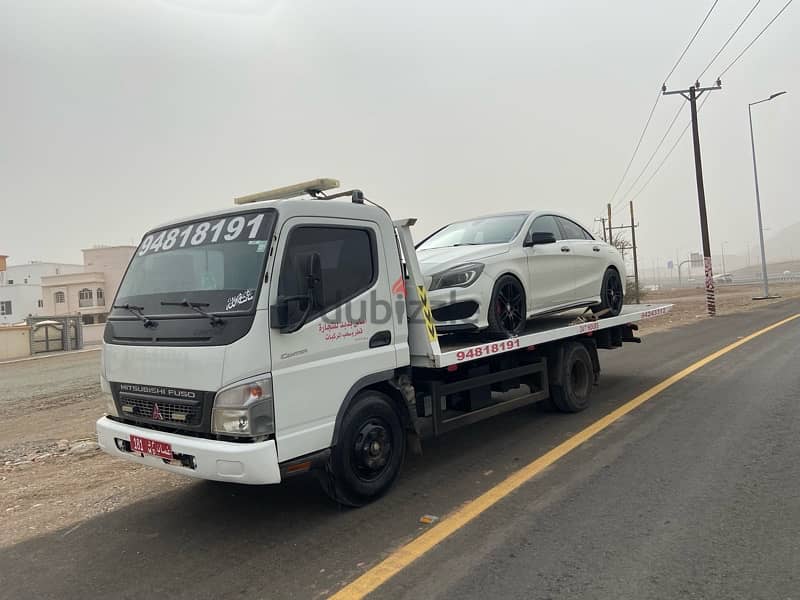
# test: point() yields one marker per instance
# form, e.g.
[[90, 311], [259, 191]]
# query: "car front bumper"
[[253, 463], [479, 293]]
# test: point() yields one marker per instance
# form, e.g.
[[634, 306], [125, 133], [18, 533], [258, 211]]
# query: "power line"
[[655, 104], [671, 150], [686, 128], [691, 41], [746, 48], [636, 149], [728, 41], [621, 201]]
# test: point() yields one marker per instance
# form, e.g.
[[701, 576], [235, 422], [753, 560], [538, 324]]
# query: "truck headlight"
[[245, 409], [460, 276], [108, 397]]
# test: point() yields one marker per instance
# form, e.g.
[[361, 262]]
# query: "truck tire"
[[507, 308], [367, 458], [612, 295], [574, 379]]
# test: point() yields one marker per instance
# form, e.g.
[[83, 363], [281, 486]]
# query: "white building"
[[21, 290]]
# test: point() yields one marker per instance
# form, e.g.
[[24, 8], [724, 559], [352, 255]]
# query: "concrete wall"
[[15, 342], [93, 334]]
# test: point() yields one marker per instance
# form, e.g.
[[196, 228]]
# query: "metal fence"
[[54, 334]]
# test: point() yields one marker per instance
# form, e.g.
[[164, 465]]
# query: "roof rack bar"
[[313, 187]]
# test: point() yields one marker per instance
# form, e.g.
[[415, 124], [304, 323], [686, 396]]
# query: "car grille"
[[162, 410]]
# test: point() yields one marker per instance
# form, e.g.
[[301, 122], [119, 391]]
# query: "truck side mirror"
[[539, 237], [308, 273]]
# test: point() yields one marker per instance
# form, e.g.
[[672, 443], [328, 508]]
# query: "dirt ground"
[[690, 303], [53, 477]]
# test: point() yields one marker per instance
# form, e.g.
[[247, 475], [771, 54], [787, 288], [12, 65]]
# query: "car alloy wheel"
[[507, 310]]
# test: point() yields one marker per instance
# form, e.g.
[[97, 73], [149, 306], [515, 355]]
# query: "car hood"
[[436, 260]]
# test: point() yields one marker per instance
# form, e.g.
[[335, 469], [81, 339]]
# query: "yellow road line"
[[404, 556]]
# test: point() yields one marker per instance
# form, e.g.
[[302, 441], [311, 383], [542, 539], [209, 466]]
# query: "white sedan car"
[[495, 272]]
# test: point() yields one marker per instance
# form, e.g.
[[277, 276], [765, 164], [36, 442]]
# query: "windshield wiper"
[[137, 311], [468, 244], [197, 307]]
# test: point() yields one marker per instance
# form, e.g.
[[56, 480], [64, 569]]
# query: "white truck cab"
[[287, 335]]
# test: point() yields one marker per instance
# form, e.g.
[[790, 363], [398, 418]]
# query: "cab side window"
[[546, 224], [348, 260], [573, 231]]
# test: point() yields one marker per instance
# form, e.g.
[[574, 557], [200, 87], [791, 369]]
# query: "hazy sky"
[[118, 115]]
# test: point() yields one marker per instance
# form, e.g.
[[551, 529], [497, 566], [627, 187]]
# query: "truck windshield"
[[499, 229], [217, 262]]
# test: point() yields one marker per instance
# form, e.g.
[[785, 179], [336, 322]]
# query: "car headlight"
[[246, 409], [460, 276], [108, 397]]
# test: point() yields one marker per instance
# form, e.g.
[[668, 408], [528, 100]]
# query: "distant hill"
[[783, 254], [784, 245], [773, 268]]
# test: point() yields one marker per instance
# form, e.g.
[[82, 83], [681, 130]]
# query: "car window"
[[546, 224], [573, 231], [498, 229], [347, 256]]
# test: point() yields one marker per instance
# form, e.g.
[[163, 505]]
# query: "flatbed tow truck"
[[290, 335]]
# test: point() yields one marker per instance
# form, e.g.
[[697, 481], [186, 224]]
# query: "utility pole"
[[635, 259], [692, 94], [623, 245], [603, 221], [610, 230]]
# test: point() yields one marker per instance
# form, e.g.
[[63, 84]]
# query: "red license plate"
[[152, 447]]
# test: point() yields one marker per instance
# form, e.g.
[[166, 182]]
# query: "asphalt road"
[[695, 494]]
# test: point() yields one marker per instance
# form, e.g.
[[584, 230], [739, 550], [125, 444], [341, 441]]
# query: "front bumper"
[[478, 293], [250, 463]]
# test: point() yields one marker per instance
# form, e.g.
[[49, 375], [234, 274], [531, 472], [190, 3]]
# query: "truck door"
[[347, 336]]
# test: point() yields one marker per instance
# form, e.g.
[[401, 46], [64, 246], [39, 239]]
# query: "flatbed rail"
[[455, 349]]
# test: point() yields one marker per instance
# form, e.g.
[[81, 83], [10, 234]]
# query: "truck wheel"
[[367, 458], [575, 377], [507, 309]]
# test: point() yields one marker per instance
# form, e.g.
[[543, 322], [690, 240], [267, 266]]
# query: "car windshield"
[[216, 262], [499, 229]]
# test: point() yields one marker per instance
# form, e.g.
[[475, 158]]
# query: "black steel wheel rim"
[[372, 449], [579, 379], [614, 292], [509, 307]]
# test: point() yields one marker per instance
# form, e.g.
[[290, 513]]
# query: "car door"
[[551, 280], [587, 259], [349, 337]]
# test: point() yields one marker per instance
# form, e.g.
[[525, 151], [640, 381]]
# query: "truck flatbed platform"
[[456, 349]]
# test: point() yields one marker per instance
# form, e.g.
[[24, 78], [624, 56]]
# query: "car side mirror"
[[540, 237], [283, 314]]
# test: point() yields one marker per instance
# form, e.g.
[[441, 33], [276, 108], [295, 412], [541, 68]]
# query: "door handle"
[[565, 248], [596, 248], [382, 338]]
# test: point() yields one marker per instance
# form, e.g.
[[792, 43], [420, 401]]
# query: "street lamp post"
[[724, 270], [758, 198]]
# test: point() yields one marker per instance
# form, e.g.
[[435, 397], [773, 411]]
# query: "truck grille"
[[152, 410], [159, 406]]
